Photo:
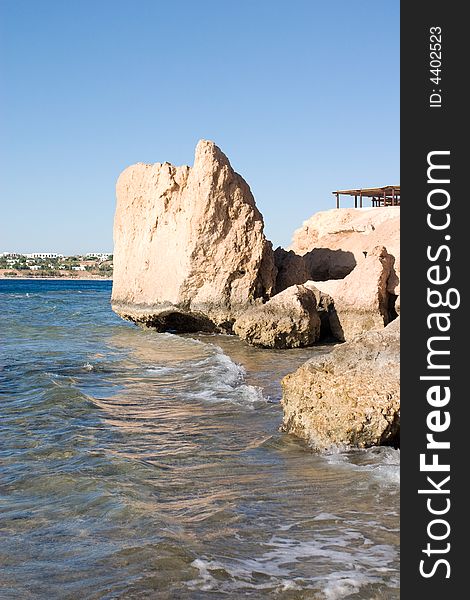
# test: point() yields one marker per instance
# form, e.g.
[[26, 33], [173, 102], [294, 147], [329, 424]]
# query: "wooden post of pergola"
[[337, 200], [360, 200], [355, 201]]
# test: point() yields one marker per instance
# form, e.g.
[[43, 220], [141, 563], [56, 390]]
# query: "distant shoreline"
[[18, 278]]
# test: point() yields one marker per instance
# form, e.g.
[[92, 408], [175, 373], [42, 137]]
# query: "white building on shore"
[[99, 255], [43, 255]]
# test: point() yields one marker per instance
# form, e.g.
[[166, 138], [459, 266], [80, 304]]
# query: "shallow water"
[[145, 465]]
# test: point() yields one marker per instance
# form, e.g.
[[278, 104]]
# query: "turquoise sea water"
[[143, 465]]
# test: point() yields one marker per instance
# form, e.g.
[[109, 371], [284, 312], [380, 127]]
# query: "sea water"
[[143, 465]]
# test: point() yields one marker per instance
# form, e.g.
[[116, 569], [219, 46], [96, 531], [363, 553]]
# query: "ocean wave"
[[213, 377], [222, 380], [382, 463], [359, 564]]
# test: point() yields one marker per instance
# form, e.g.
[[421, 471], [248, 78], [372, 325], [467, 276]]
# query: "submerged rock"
[[289, 320], [190, 252], [361, 300], [350, 397]]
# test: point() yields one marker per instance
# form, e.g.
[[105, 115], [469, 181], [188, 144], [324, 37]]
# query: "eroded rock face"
[[361, 300], [190, 252], [350, 397], [329, 327], [333, 242], [289, 320]]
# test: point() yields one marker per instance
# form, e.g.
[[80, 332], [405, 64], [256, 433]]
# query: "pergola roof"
[[371, 192]]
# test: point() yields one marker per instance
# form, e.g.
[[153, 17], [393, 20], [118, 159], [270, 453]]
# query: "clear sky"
[[302, 96]]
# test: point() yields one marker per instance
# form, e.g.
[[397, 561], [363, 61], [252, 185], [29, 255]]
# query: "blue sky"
[[302, 96]]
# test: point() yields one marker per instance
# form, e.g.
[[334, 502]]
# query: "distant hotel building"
[[99, 255], [43, 255]]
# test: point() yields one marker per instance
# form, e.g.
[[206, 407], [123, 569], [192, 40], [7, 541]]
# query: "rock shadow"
[[320, 264], [324, 263], [177, 322]]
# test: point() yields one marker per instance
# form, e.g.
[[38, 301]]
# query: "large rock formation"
[[289, 320], [350, 397], [361, 300], [333, 242], [190, 252]]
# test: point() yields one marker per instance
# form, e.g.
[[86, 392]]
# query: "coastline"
[[56, 278]]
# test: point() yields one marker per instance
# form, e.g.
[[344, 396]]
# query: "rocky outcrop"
[[289, 320], [361, 300], [350, 397], [333, 242], [190, 253]]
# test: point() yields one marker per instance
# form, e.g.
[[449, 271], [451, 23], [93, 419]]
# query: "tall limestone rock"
[[190, 253]]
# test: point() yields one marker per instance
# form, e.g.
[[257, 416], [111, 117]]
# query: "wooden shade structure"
[[388, 195]]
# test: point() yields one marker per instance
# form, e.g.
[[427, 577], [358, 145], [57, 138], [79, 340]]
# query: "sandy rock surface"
[[289, 320], [350, 397]]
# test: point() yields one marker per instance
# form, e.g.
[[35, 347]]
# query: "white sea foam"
[[326, 517], [212, 378], [248, 396], [382, 463], [223, 380], [388, 473], [160, 370], [222, 366], [205, 581], [358, 563], [342, 585]]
